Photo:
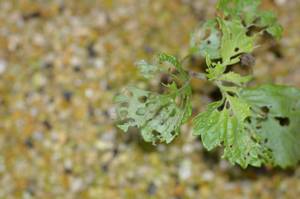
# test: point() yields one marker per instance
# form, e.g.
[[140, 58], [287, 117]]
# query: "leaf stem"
[[197, 75]]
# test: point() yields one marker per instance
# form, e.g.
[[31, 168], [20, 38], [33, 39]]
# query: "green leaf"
[[234, 41], [241, 147], [240, 108], [163, 57], [227, 37], [230, 129], [215, 71], [247, 11], [261, 126], [158, 116], [278, 121], [206, 40], [269, 21], [241, 144], [267, 18], [146, 69], [244, 9], [275, 30], [211, 125]]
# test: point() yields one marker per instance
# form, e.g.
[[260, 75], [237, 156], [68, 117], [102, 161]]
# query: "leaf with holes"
[[247, 11], [277, 121], [206, 40], [159, 117], [234, 41], [229, 128], [244, 9], [210, 125]]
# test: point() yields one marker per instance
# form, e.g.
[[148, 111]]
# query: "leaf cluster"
[[254, 126]]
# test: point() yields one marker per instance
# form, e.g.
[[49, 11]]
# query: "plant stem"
[[197, 75]]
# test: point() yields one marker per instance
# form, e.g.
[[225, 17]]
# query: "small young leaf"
[[275, 30], [146, 69], [269, 21], [163, 57], [215, 71]]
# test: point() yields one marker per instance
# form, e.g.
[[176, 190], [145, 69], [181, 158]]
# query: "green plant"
[[255, 126]]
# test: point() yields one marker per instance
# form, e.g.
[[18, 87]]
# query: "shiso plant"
[[254, 125]]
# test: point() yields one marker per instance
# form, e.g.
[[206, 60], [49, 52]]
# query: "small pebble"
[[280, 2], [185, 170], [68, 95], [2, 66], [208, 176], [151, 190], [76, 185], [29, 143]]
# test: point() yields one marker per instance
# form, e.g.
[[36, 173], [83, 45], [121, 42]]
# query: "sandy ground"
[[61, 63]]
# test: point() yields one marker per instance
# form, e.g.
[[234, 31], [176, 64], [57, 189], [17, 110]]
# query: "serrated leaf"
[[211, 125], [229, 128], [240, 108], [236, 8], [247, 11], [244, 9], [275, 30], [234, 41], [279, 120], [163, 57], [159, 117], [240, 147]]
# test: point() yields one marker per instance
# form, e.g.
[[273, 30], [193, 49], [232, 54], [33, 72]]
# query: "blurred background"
[[61, 63]]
